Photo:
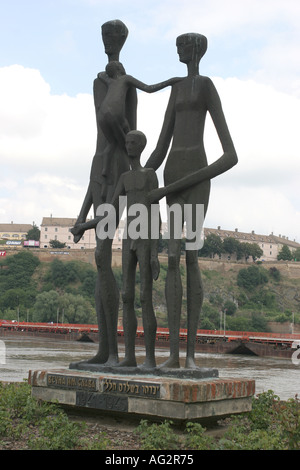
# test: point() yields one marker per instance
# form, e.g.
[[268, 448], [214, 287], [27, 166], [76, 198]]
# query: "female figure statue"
[[187, 178]]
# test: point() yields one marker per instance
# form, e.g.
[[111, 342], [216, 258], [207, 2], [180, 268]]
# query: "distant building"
[[58, 228], [270, 244], [14, 232]]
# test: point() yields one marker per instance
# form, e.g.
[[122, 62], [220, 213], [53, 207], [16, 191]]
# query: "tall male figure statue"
[[114, 34]]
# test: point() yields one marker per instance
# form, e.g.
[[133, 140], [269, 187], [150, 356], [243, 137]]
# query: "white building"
[[58, 228]]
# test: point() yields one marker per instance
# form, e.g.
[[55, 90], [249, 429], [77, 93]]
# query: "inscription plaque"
[[102, 401], [131, 388], [71, 382]]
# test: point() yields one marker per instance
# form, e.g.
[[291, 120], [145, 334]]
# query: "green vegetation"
[[40, 425], [27, 423], [44, 292], [271, 425], [285, 254], [63, 291], [34, 233], [213, 245]]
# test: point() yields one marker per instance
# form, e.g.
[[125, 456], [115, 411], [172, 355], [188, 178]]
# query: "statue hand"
[[77, 231], [156, 194]]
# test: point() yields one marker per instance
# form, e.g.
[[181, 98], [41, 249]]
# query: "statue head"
[[114, 35], [191, 46], [135, 143], [114, 69]]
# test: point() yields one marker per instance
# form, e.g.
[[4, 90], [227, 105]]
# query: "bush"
[[42, 425], [157, 436], [251, 277], [271, 425], [197, 440]]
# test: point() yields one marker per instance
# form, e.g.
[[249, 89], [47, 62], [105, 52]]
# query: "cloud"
[[41, 131], [256, 39], [47, 143]]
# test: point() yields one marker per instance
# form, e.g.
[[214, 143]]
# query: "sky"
[[51, 51]]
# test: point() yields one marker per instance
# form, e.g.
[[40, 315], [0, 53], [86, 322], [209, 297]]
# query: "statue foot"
[[98, 359], [112, 361], [127, 363], [190, 363], [148, 364], [171, 363]]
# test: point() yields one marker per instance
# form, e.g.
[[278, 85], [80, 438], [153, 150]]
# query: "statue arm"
[[160, 152], [131, 107], [152, 88], [86, 205], [90, 224]]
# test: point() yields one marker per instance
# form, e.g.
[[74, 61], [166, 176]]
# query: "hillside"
[[250, 294]]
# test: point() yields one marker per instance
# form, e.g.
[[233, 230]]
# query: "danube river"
[[19, 356]]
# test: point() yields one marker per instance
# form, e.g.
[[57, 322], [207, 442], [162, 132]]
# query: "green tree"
[[230, 307], [50, 307], [285, 254], [34, 233], [213, 245], [57, 244], [46, 307], [251, 249], [258, 322], [62, 273], [17, 271], [231, 246], [76, 309], [13, 298], [251, 277], [275, 273], [296, 254]]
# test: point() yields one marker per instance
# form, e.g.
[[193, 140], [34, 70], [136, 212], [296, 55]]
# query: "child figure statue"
[[136, 185]]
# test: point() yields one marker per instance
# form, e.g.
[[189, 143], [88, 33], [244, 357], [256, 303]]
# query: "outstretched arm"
[[79, 229], [152, 88]]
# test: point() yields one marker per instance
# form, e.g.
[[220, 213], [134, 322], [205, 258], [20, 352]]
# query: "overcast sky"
[[51, 51]]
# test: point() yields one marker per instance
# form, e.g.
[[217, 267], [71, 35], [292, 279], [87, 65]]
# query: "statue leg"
[[174, 300], [103, 350], [129, 263], [149, 320], [194, 304], [108, 293]]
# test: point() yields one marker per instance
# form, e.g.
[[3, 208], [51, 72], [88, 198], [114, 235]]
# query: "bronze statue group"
[[116, 171]]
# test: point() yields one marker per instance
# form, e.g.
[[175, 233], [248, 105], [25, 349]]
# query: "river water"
[[19, 356]]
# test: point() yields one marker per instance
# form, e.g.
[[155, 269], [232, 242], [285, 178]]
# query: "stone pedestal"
[[148, 396]]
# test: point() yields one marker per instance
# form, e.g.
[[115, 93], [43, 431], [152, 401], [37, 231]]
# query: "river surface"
[[19, 356]]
